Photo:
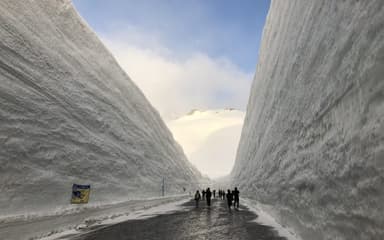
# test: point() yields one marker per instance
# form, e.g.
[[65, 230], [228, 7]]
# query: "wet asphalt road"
[[214, 222]]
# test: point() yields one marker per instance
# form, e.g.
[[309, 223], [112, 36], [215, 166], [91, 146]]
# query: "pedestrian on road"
[[229, 199], [208, 196], [197, 198], [236, 194], [203, 192], [214, 193]]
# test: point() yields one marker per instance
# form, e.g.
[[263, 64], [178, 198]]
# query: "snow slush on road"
[[183, 220], [169, 217], [71, 222]]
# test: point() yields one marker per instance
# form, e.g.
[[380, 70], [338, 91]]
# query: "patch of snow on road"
[[265, 219], [147, 211]]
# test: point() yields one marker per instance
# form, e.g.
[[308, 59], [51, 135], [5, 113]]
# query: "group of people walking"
[[232, 197]]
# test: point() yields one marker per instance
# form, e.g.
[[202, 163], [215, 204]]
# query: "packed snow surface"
[[210, 138], [264, 218], [65, 225], [69, 114], [312, 144]]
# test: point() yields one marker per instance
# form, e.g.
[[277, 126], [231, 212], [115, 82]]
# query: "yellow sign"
[[80, 193]]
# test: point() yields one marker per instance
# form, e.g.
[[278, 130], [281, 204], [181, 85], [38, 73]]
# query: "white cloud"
[[210, 139], [173, 83]]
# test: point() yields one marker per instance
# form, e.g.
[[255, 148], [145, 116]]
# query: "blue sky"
[[177, 38]]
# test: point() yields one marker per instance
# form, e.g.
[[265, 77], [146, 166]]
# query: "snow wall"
[[312, 144], [69, 114]]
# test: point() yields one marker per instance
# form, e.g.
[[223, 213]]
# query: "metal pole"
[[163, 187]]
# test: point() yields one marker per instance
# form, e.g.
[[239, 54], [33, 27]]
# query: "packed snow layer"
[[84, 219], [312, 144], [69, 114], [210, 138], [264, 218]]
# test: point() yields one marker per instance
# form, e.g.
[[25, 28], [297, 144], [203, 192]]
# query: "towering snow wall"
[[312, 145], [69, 114]]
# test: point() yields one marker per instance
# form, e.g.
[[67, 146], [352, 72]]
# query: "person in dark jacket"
[[229, 199], [197, 198], [203, 194], [236, 197], [208, 195]]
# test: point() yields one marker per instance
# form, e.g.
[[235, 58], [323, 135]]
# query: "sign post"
[[80, 193]]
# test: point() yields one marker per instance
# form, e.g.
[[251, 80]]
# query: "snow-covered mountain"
[[312, 145], [69, 114], [210, 138]]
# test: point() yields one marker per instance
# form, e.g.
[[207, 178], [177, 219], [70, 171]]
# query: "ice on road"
[[68, 223], [214, 222]]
